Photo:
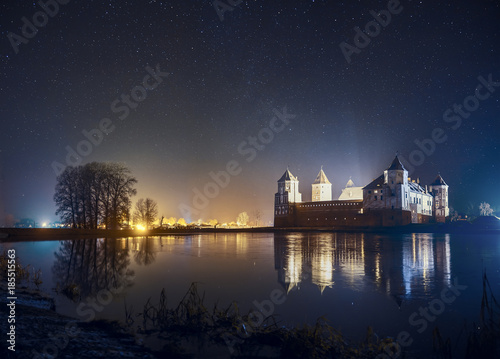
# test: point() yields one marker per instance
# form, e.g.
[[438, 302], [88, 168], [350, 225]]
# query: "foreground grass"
[[227, 327], [24, 275], [483, 338]]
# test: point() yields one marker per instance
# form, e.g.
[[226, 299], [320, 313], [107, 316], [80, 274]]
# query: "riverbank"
[[41, 332], [45, 234], [482, 225]]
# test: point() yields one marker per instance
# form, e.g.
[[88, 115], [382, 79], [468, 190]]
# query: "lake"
[[392, 282]]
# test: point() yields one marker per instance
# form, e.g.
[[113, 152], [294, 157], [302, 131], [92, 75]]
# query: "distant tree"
[[213, 222], [171, 221], [485, 209], [146, 211], [122, 187], [94, 194], [471, 210], [242, 219], [453, 215], [257, 216]]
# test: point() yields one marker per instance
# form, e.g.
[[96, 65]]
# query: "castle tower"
[[396, 179], [321, 188], [288, 193], [288, 188], [439, 190], [396, 174]]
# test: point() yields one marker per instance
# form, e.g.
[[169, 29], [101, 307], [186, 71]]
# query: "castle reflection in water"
[[396, 267], [402, 266]]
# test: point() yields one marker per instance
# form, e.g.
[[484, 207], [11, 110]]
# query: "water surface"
[[352, 280]]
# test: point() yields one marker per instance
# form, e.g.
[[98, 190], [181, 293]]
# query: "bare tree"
[[257, 215], [146, 211], [242, 219], [95, 194], [485, 209], [453, 215]]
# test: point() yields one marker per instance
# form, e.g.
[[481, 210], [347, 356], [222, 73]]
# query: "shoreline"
[[47, 234], [41, 330]]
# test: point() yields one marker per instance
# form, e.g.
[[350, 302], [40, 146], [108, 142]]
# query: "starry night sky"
[[227, 78]]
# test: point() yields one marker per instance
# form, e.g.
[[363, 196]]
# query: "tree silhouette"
[[93, 195], [145, 212]]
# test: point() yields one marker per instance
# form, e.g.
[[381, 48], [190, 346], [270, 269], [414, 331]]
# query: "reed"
[[484, 342], [24, 275], [483, 338], [192, 317]]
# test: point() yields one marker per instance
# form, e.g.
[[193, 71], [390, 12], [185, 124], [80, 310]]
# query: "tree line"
[[95, 195], [98, 195]]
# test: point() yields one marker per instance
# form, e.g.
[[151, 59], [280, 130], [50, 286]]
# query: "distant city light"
[[140, 227], [44, 224]]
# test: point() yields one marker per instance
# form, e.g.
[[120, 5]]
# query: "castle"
[[392, 199]]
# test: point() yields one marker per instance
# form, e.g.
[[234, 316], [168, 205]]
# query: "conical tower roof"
[[396, 165], [349, 184], [439, 181], [321, 178], [287, 176]]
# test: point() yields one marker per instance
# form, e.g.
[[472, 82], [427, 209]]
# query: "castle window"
[[381, 191], [369, 192], [375, 198], [381, 198]]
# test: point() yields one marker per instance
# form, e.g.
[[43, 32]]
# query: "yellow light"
[[140, 227], [44, 224]]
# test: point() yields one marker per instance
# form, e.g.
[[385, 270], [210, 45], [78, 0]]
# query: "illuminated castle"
[[392, 199]]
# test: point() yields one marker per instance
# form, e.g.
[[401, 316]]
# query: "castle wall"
[[340, 214], [327, 214]]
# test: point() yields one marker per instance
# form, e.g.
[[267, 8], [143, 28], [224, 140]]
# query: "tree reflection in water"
[[85, 266], [144, 249]]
